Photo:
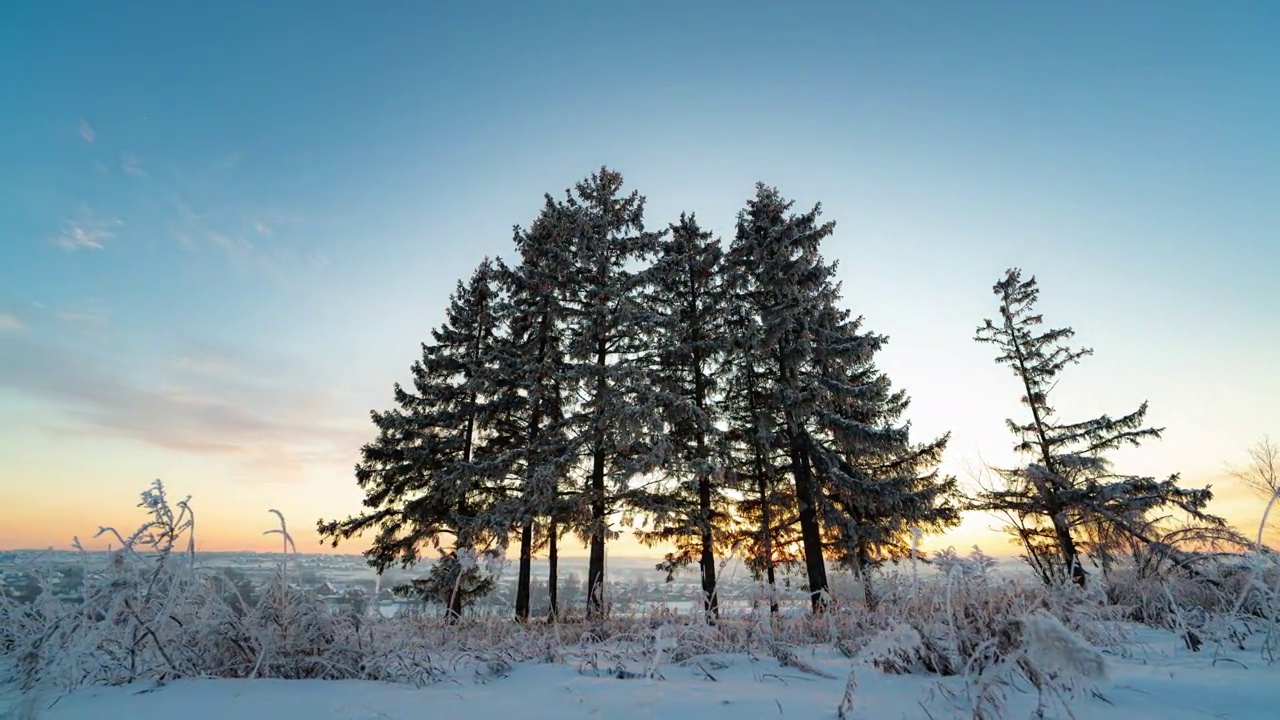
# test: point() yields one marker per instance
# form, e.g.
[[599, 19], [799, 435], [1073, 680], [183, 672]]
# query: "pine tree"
[[784, 283], [529, 408], [859, 483], [687, 295], [1069, 485], [455, 582], [605, 332], [876, 485], [764, 510], [423, 476]]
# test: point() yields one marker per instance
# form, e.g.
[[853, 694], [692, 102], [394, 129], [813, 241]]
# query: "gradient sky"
[[225, 229]]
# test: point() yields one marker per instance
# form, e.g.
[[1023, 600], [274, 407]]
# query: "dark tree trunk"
[[595, 564], [1048, 495], [810, 532], [710, 601], [553, 572], [526, 568], [707, 561], [762, 487], [524, 574]]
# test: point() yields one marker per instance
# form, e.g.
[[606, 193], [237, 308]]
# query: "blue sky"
[[225, 229]]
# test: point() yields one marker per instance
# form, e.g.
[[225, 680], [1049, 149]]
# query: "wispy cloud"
[[86, 131], [9, 323], [251, 410], [228, 162], [131, 165], [85, 230], [318, 260], [253, 239], [92, 313]]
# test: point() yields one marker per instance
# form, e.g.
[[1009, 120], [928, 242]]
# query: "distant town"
[[633, 584]]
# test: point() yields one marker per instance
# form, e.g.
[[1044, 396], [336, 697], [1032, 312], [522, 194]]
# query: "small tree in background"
[[454, 582], [1262, 476]]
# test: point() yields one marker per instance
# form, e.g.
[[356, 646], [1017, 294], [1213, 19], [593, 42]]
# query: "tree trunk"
[[710, 598], [766, 529], [526, 568], [524, 574], [710, 602], [810, 532], [862, 566], [595, 564], [762, 486], [1061, 529], [553, 572]]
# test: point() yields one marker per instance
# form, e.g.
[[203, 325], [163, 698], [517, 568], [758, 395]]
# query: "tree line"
[[720, 399]]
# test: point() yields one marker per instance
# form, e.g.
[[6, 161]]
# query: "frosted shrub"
[[152, 614]]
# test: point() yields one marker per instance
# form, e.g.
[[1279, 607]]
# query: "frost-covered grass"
[[962, 641]]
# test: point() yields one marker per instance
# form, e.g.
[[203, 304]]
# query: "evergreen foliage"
[[529, 409], [1068, 491], [687, 294], [454, 582], [426, 475], [859, 483], [614, 424]]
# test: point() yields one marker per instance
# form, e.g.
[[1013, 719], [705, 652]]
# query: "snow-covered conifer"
[[859, 483], [686, 294], [424, 476], [615, 422], [527, 416], [1069, 490]]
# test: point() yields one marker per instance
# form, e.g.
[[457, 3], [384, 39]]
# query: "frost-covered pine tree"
[[783, 283], [426, 475], [749, 454], [876, 484], [686, 294], [606, 332], [859, 482], [1069, 486], [528, 414]]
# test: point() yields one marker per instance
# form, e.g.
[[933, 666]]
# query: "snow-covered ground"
[[1154, 676]]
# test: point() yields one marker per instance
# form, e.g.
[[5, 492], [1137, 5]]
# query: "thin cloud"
[[228, 162], [85, 231], [131, 165], [92, 313], [86, 131], [273, 427], [318, 260], [9, 323]]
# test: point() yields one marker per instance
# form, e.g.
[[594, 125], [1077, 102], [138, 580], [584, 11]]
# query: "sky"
[[226, 227]]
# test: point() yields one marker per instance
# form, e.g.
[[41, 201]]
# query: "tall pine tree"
[[859, 483], [529, 407], [876, 485], [687, 295], [606, 332], [784, 283]]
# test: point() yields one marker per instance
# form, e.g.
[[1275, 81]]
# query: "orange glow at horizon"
[[224, 528]]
